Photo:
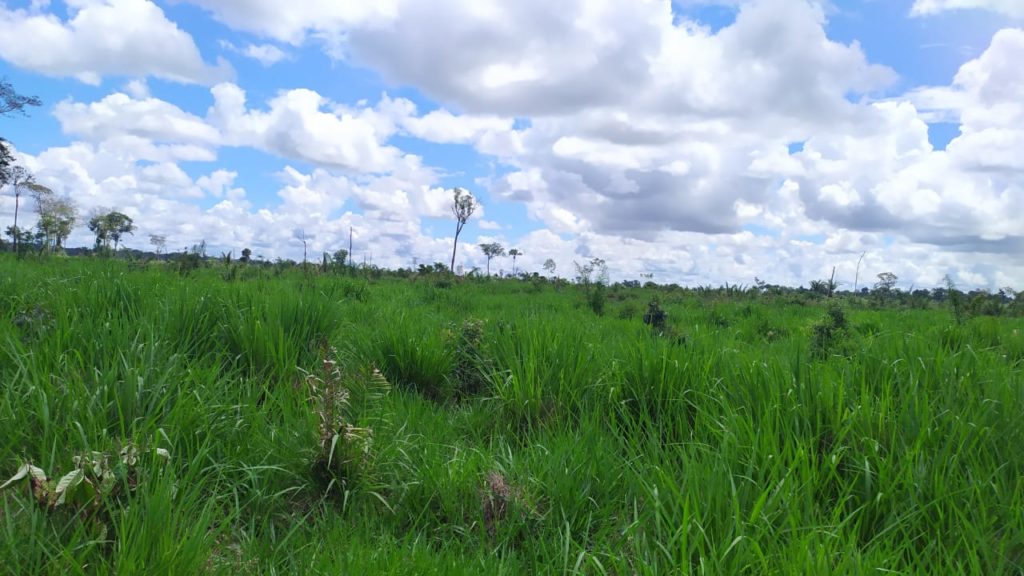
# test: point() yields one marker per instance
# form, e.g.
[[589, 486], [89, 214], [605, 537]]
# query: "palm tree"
[[514, 253]]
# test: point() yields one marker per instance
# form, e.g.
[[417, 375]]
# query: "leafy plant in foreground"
[[98, 479], [344, 452]]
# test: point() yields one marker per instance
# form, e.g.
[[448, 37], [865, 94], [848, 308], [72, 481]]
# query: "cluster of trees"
[[109, 226], [494, 250], [56, 214]]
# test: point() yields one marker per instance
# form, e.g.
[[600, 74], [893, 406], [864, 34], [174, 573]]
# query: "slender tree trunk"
[[513, 266], [455, 245], [17, 197], [488, 267], [856, 278]]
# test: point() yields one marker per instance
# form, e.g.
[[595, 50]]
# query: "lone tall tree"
[[159, 242], [514, 253], [549, 266], [20, 179], [463, 207], [492, 250], [300, 235]]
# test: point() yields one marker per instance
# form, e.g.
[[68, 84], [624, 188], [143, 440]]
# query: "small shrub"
[[655, 317], [956, 302], [768, 331], [829, 334], [597, 297], [986, 305], [537, 284], [468, 372], [355, 291], [186, 264], [344, 455], [501, 502]]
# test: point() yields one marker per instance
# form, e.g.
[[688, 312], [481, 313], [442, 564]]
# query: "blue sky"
[[700, 141]]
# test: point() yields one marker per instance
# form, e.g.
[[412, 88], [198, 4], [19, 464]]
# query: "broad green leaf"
[[84, 494], [67, 484], [21, 474], [36, 473]]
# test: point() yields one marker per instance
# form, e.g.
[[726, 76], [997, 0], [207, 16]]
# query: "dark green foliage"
[[188, 262], [655, 317], [471, 366], [597, 296], [956, 302], [830, 334]]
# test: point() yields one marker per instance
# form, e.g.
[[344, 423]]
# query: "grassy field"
[[236, 425]]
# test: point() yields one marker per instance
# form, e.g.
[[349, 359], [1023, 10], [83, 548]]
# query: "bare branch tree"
[[463, 207]]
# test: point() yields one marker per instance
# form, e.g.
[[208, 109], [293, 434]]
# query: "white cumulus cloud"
[[104, 37]]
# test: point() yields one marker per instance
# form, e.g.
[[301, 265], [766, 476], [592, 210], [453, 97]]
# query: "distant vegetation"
[[184, 413], [190, 414]]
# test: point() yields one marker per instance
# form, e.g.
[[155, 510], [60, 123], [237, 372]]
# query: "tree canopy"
[[13, 103], [492, 250], [110, 226]]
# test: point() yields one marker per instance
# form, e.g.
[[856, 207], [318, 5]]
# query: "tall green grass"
[[726, 445]]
